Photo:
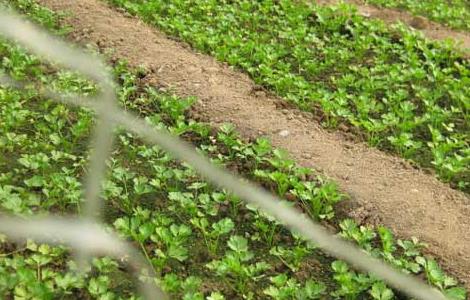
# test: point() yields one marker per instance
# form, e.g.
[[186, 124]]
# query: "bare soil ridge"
[[430, 29], [384, 189]]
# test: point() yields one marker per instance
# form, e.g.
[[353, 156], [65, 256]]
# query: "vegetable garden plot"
[[39, 162], [383, 188], [397, 90]]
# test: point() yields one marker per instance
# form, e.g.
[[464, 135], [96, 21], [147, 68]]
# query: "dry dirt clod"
[[260, 94], [343, 127], [419, 22]]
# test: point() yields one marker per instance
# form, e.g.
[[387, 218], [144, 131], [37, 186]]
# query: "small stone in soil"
[[284, 133]]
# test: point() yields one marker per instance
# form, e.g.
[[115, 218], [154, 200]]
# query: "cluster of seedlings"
[[453, 13], [393, 88]]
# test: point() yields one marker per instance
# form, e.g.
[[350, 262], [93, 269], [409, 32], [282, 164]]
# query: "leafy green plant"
[[284, 288], [236, 262]]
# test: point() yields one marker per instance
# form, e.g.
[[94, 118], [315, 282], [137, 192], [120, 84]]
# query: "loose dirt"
[[430, 29], [383, 189]]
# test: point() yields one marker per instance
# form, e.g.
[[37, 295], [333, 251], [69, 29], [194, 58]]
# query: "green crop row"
[[203, 242], [399, 91], [453, 13]]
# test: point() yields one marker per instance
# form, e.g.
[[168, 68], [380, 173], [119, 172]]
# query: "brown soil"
[[430, 29], [383, 189]]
